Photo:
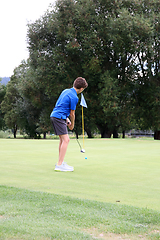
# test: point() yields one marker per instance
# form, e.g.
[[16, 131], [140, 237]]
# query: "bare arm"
[[72, 120]]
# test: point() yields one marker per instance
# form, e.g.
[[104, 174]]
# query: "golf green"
[[121, 171]]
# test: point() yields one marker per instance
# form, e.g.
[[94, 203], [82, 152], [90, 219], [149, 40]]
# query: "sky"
[[14, 16]]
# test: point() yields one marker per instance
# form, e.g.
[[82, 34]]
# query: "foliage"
[[4, 80], [114, 45], [147, 84], [2, 94], [8, 105], [99, 41]]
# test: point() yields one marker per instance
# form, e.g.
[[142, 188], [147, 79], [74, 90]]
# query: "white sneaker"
[[64, 167]]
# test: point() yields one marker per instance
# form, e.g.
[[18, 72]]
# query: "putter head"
[[82, 151]]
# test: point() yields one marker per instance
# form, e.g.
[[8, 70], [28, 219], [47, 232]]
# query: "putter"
[[81, 150]]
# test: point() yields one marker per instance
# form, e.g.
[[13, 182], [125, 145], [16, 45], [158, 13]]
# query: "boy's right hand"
[[71, 127], [69, 124]]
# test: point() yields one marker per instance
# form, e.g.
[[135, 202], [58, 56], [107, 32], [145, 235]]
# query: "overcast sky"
[[14, 16]]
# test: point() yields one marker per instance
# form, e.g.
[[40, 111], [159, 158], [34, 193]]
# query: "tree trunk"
[[115, 134], [106, 134], [15, 131], [44, 135], [89, 133], [123, 134], [157, 135]]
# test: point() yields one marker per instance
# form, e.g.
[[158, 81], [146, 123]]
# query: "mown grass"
[[115, 170], [113, 194], [31, 215]]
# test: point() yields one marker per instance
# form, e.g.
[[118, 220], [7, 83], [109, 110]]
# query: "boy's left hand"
[[68, 122]]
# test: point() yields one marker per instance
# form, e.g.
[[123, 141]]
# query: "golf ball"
[[85, 157]]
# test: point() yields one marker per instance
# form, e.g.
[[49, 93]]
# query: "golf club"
[[82, 150]]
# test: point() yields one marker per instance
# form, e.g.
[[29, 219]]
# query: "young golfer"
[[63, 115]]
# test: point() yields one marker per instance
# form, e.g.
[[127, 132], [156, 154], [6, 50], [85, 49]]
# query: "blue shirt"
[[66, 102]]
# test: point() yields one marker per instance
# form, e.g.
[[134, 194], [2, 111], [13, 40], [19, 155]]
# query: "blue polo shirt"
[[66, 102]]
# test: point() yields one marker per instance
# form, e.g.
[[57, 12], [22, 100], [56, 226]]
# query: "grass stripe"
[[116, 169], [31, 215]]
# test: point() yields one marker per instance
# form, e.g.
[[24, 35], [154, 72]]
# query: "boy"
[[65, 107]]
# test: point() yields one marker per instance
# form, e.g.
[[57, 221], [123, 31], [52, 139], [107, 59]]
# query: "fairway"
[[121, 171]]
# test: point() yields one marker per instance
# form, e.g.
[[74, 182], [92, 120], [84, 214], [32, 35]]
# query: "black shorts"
[[59, 126]]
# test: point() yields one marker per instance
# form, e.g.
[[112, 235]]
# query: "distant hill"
[[4, 80]]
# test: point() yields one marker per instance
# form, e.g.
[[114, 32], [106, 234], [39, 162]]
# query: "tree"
[[147, 83], [18, 110], [107, 43], [30, 103], [2, 94], [8, 105]]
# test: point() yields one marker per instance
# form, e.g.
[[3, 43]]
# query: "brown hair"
[[80, 83]]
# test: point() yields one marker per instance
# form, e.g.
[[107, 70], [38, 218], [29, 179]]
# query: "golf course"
[[113, 193]]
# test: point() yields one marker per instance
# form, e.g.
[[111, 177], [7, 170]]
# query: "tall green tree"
[[8, 105], [109, 43], [2, 94], [147, 82], [30, 103], [18, 110]]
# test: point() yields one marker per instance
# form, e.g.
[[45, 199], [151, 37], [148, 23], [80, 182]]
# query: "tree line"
[[115, 45]]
